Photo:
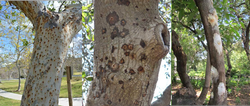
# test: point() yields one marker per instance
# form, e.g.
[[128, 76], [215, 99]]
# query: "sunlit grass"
[[76, 87], [9, 102]]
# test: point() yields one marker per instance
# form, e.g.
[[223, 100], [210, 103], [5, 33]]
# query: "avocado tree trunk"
[[181, 62], [54, 32], [210, 22], [130, 41]]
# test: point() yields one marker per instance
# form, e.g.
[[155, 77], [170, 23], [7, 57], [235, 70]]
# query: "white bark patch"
[[221, 89], [213, 18], [212, 95], [217, 43], [214, 73]]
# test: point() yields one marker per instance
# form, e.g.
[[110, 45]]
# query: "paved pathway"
[[62, 101]]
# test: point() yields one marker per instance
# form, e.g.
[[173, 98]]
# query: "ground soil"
[[236, 97]]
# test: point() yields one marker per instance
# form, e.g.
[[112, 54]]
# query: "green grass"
[[76, 87], [9, 102]]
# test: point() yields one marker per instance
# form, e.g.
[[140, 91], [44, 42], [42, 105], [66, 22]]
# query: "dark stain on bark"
[[123, 2], [131, 71], [125, 70], [124, 32], [130, 47], [101, 59], [147, 9], [115, 67], [97, 74], [132, 55], [124, 47], [136, 102], [112, 49], [112, 18], [126, 53], [104, 30], [140, 70], [123, 22], [143, 57], [106, 58], [122, 61], [121, 82], [115, 33], [142, 43]]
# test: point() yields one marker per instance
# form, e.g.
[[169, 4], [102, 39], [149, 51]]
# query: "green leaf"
[[86, 7], [242, 24], [83, 74], [191, 16], [181, 14], [89, 78], [25, 42], [1, 7]]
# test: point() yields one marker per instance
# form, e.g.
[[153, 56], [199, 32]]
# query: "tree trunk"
[[54, 32], [206, 87], [210, 22], [245, 39], [181, 62], [130, 41]]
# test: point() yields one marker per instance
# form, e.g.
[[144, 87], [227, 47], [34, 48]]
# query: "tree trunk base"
[[184, 96]]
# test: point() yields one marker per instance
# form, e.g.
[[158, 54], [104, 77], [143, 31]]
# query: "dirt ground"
[[236, 97]]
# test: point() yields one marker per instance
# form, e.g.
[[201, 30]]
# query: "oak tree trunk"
[[210, 22], [54, 32], [130, 41]]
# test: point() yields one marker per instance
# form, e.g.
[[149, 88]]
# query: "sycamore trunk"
[[130, 41]]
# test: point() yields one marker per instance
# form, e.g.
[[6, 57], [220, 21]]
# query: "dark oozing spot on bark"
[[140, 70], [124, 47], [123, 22], [131, 71], [143, 57], [112, 18], [115, 33], [103, 30], [125, 70], [101, 59], [130, 47], [122, 61], [147, 9], [106, 58], [115, 67], [124, 32], [123, 2], [142, 43], [121, 82], [112, 49], [126, 53], [136, 102]]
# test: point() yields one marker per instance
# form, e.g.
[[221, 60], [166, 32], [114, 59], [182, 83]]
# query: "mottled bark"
[[54, 32], [165, 99], [130, 41], [210, 22], [181, 62]]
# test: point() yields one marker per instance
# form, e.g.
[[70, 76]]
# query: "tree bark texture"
[[54, 32], [210, 22], [130, 41], [245, 39], [181, 62]]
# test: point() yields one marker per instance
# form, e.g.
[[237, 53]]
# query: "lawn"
[[76, 87], [9, 102]]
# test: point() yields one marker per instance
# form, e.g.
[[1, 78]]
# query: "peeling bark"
[[181, 62], [130, 41], [210, 22], [54, 32]]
